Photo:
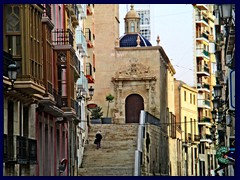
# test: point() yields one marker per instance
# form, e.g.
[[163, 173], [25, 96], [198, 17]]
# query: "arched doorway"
[[133, 105]]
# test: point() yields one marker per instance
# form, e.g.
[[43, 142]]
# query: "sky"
[[174, 25]]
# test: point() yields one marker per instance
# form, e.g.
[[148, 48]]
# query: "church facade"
[[138, 74]]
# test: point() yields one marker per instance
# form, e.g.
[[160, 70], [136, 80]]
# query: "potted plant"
[[108, 120], [96, 115]]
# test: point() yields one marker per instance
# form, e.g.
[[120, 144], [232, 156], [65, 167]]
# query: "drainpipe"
[[139, 151], [69, 148], [20, 134]]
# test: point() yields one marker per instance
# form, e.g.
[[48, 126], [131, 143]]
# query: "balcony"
[[206, 138], [203, 37], [18, 149], [47, 16], [74, 12], [47, 11], [82, 10], [82, 84], [203, 87], [201, 20], [89, 73], [32, 151], [76, 65], [58, 98], [81, 42], [203, 70], [202, 53], [205, 121], [88, 35], [203, 103], [63, 37], [202, 7], [50, 104]]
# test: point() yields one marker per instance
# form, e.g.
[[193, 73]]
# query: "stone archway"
[[134, 103]]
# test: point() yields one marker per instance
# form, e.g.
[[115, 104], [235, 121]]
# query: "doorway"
[[133, 105]]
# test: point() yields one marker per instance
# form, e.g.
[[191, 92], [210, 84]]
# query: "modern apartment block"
[[144, 11], [205, 66]]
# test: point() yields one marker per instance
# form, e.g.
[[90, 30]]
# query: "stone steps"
[[106, 171], [116, 155]]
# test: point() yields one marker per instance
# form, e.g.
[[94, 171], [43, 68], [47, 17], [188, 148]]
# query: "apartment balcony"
[[206, 138], [70, 110], [63, 38], [89, 38], [203, 87], [202, 38], [26, 88], [18, 149], [201, 20], [82, 10], [202, 53], [205, 121], [82, 84], [47, 16], [51, 104], [76, 65], [203, 70], [89, 73], [73, 12], [201, 7], [81, 42], [203, 103]]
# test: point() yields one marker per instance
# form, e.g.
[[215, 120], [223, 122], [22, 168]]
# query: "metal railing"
[[63, 37], [47, 11]]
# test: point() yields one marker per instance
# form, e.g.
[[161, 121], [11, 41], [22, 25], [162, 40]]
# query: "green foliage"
[[96, 113], [109, 98]]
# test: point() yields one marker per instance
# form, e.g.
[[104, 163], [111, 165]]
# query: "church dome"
[[130, 40]]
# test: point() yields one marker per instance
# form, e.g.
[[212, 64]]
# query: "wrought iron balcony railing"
[[63, 37]]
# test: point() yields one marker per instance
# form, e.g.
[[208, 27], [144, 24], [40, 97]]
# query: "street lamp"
[[216, 103], [12, 72], [217, 90], [214, 114], [91, 92], [225, 11]]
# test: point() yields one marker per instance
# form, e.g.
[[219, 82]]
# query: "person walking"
[[98, 139]]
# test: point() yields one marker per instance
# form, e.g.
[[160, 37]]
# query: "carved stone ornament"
[[134, 69]]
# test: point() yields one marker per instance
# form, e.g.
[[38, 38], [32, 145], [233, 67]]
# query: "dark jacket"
[[98, 137]]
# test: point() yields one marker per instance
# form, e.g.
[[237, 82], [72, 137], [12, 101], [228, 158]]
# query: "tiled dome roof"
[[129, 40]]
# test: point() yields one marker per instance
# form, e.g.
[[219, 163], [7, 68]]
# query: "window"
[[194, 99], [185, 127], [13, 32], [132, 26], [190, 98], [185, 95]]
